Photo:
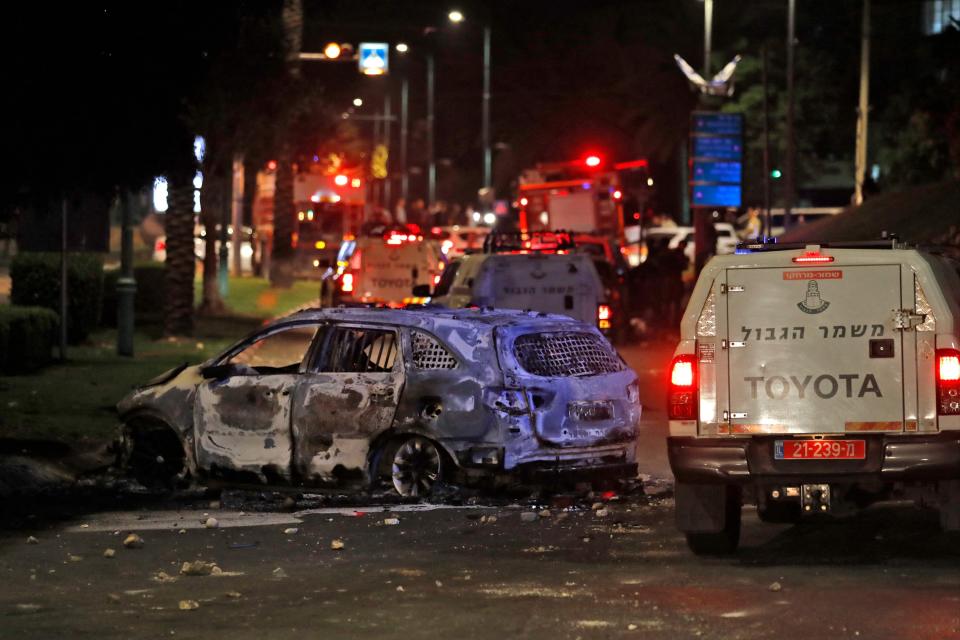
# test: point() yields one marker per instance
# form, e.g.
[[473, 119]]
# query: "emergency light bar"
[[812, 257]]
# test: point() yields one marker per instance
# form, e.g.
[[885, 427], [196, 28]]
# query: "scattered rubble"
[[336, 544], [200, 568], [163, 577], [74, 558], [32, 540], [279, 573], [133, 541], [233, 594], [109, 553], [391, 521], [290, 530], [775, 586], [189, 605], [601, 513], [211, 523]]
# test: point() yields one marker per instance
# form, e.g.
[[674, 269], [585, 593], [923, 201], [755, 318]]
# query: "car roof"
[[429, 317]]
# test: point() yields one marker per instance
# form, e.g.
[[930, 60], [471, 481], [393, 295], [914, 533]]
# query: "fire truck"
[[328, 207]]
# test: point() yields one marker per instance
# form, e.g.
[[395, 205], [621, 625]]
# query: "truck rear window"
[[565, 354]]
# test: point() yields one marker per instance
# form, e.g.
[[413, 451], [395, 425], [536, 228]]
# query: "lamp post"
[[457, 17]]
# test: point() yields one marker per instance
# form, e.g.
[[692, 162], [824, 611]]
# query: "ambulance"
[[812, 380]]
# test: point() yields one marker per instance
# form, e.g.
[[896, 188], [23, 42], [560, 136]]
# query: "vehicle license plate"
[[590, 411], [820, 449]]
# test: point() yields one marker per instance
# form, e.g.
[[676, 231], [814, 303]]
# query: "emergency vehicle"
[[815, 379], [534, 272], [328, 205], [385, 268]]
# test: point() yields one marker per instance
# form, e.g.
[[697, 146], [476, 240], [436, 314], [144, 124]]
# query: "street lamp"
[[402, 47], [358, 102], [457, 17]]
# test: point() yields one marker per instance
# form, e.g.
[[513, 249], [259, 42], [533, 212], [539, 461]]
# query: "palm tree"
[[281, 260], [178, 316]]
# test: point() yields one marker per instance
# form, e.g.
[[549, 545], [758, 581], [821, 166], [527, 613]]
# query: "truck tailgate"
[[814, 350]]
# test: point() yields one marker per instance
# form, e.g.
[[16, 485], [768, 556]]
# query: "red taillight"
[[604, 315], [346, 283], [812, 257], [682, 393], [161, 245], [948, 382]]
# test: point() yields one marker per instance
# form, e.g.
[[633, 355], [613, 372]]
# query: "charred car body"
[[410, 395]]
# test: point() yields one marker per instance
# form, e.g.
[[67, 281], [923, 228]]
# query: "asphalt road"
[[448, 571]]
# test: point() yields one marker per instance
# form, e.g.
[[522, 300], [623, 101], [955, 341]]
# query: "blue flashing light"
[[586, 185], [741, 252]]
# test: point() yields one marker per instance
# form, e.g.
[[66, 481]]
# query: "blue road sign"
[[716, 171], [720, 124], [716, 195], [718, 148], [374, 58]]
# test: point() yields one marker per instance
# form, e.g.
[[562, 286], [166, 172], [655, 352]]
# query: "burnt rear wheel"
[[417, 467], [154, 456]]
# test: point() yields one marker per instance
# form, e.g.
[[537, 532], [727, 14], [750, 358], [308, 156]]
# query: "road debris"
[[74, 558], [163, 577], [775, 586], [601, 513], [488, 519], [189, 605], [200, 568], [32, 540], [290, 530], [279, 573], [211, 523], [391, 521], [336, 544], [133, 541], [233, 594], [109, 553]]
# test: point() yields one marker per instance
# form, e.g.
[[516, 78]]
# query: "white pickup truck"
[[814, 379]]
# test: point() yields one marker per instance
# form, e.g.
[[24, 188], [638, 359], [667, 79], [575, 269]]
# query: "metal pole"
[[431, 152], [487, 152], [63, 280], [707, 36], [789, 165], [766, 147], [126, 283], [863, 110], [223, 266], [376, 186], [387, 195], [405, 175], [236, 207]]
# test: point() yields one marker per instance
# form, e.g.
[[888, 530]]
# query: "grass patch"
[[75, 401], [255, 298]]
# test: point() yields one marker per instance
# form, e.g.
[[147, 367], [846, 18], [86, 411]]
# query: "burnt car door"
[[242, 408], [348, 395]]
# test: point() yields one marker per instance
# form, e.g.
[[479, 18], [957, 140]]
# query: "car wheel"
[[417, 467], [154, 457], [724, 502]]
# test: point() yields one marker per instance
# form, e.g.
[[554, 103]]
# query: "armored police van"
[[813, 379], [527, 272]]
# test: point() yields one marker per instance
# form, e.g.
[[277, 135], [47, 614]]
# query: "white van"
[[814, 379], [562, 283], [384, 269]]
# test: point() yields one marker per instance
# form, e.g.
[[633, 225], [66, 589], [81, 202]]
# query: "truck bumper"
[[889, 458]]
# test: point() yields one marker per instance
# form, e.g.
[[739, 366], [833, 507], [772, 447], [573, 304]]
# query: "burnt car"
[[411, 397]]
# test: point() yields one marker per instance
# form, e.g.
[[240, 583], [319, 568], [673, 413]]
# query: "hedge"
[[27, 337], [149, 301], [36, 282]]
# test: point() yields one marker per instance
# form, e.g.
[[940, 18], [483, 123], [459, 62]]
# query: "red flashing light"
[[272, 165], [636, 215], [341, 180], [346, 283], [592, 161], [812, 257]]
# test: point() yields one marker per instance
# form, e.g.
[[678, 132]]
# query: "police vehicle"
[[812, 379]]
